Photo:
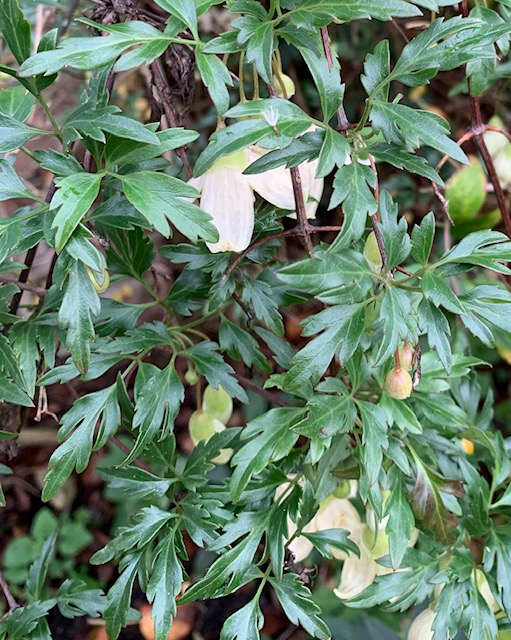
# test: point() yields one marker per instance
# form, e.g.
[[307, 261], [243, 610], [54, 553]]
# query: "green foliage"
[[327, 460]]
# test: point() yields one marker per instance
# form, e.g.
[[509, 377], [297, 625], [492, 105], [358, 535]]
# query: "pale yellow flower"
[[421, 626], [227, 194], [333, 513]]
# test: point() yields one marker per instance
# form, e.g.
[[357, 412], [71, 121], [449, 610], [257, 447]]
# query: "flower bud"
[[372, 253], [191, 376], [203, 426], [100, 280], [406, 356], [284, 86], [468, 446], [343, 490], [398, 384], [218, 403]]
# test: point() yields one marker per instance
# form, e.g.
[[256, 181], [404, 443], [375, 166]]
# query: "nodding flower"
[[227, 194]]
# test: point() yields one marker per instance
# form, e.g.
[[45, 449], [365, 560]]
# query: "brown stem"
[[301, 212], [271, 397], [379, 241], [11, 602], [16, 299], [120, 445], [162, 88], [281, 234], [478, 128], [344, 124], [39, 291]]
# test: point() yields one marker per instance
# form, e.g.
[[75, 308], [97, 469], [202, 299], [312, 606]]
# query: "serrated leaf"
[[11, 186], [428, 506], [134, 481], [271, 439], [398, 320], [157, 197], [80, 304], [375, 439], [260, 49], [352, 184], [119, 597], [400, 124], [39, 569], [182, 9], [241, 345], [326, 539], [73, 199], [422, 239], [216, 78], [327, 416], [334, 152], [327, 80], [164, 585], [437, 290], [15, 29], [401, 521], [14, 134], [296, 600], [245, 624], [211, 365], [376, 70]]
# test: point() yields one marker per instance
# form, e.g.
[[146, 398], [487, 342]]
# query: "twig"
[[478, 128], [120, 445], [344, 124], [163, 90], [271, 397], [379, 241], [39, 291], [281, 234], [11, 602], [16, 299], [301, 212]]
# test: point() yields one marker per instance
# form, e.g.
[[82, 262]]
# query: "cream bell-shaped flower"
[[421, 626], [358, 573], [228, 195], [333, 513]]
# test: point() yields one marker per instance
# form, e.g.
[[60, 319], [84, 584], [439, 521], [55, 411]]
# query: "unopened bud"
[[372, 253], [398, 384]]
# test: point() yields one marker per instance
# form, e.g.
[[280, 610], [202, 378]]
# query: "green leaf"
[[215, 77], [11, 185], [259, 297], [184, 10], [119, 598], [398, 320], [123, 150], [376, 70], [299, 607], [437, 290], [375, 439], [260, 48], [80, 304], [352, 184], [241, 345], [57, 163], [92, 121], [327, 80], [500, 543], [334, 152], [15, 29], [422, 239], [394, 232], [75, 195], [402, 159], [158, 397], [22, 621], [91, 53], [39, 569], [14, 134], [134, 481], [343, 327], [244, 624], [401, 124], [327, 416], [212, 366], [401, 521], [16, 102], [82, 420], [322, 12], [75, 598], [271, 439], [326, 539], [164, 585], [157, 197]]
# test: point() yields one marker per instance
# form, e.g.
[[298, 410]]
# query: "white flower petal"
[[421, 626], [228, 198], [357, 574], [274, 186]]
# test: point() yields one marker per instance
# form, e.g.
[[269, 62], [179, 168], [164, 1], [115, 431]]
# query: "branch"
[[344, 124], [271, 397], [297, 231], [11, 602], [162, 88], [39, 291]]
